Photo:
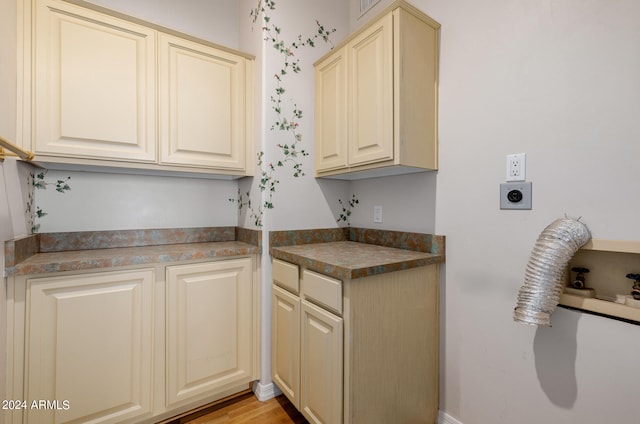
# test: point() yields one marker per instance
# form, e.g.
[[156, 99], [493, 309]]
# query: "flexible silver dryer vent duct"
[[543, 280]]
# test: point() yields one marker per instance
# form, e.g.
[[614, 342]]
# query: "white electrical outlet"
[[377, 214], [516, 167]]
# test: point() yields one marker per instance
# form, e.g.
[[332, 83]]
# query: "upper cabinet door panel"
[[202, 105], [371, 90], [94, 91], [331, 112]]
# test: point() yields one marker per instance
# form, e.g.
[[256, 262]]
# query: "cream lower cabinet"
[[285, 337], [320, 365], [306, 349], [357, 351], [89, 347], [131, 346], [376, 98], [210, 328], [104, 89]]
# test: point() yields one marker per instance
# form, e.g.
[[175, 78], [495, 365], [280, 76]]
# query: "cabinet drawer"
[[286, 275], [324, 290]]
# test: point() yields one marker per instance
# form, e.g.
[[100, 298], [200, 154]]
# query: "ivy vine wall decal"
[[288, 114], [345, 215], [37, 181], [254, 213]]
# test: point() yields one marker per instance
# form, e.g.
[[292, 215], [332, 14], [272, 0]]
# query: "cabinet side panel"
[[16, 317], [391, 347], [416, 91]]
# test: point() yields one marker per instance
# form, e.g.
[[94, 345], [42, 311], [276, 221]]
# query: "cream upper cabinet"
[[109, 90], [94, 85], [376, 98], [202, 105], [210, 334], [331, 112], [89, 344], [370, 83]]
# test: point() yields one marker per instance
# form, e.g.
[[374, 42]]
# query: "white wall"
[[251, 41], [121, 202], [557, 80], [408, 202], [299, 202], [210, 20], [302, 202]]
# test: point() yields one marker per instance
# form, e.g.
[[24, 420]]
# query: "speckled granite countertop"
[[344, 253], [354, 252], [56, 252], [350, 260]]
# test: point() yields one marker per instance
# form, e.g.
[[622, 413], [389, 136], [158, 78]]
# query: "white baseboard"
[[265, 391], [444, 418]]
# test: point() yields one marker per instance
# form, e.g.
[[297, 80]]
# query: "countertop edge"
[[132, 256], [25, 253], [344, 273]]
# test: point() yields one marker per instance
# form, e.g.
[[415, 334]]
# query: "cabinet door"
[[202, 105], [89, 344], [285, 343], [370, 58], [209, 328], [331, 112], [94, 85], [321, 365]]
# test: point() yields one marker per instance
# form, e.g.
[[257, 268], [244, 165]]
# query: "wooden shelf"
[[602, 307], [622, 246]]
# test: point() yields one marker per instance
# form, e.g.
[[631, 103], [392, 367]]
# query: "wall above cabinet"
[[101, 89], [376, 98]]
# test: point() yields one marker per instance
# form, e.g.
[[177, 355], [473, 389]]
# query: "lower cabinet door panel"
[[321, 365], [285, 343], [209, 328], [89, 347]]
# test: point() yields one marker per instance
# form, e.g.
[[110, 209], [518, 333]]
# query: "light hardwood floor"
[[247, 409]]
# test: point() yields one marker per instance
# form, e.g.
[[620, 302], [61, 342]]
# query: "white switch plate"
[[377, 214], [517, 167]]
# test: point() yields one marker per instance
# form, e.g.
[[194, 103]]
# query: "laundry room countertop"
[[356, 253], [57, 252]]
